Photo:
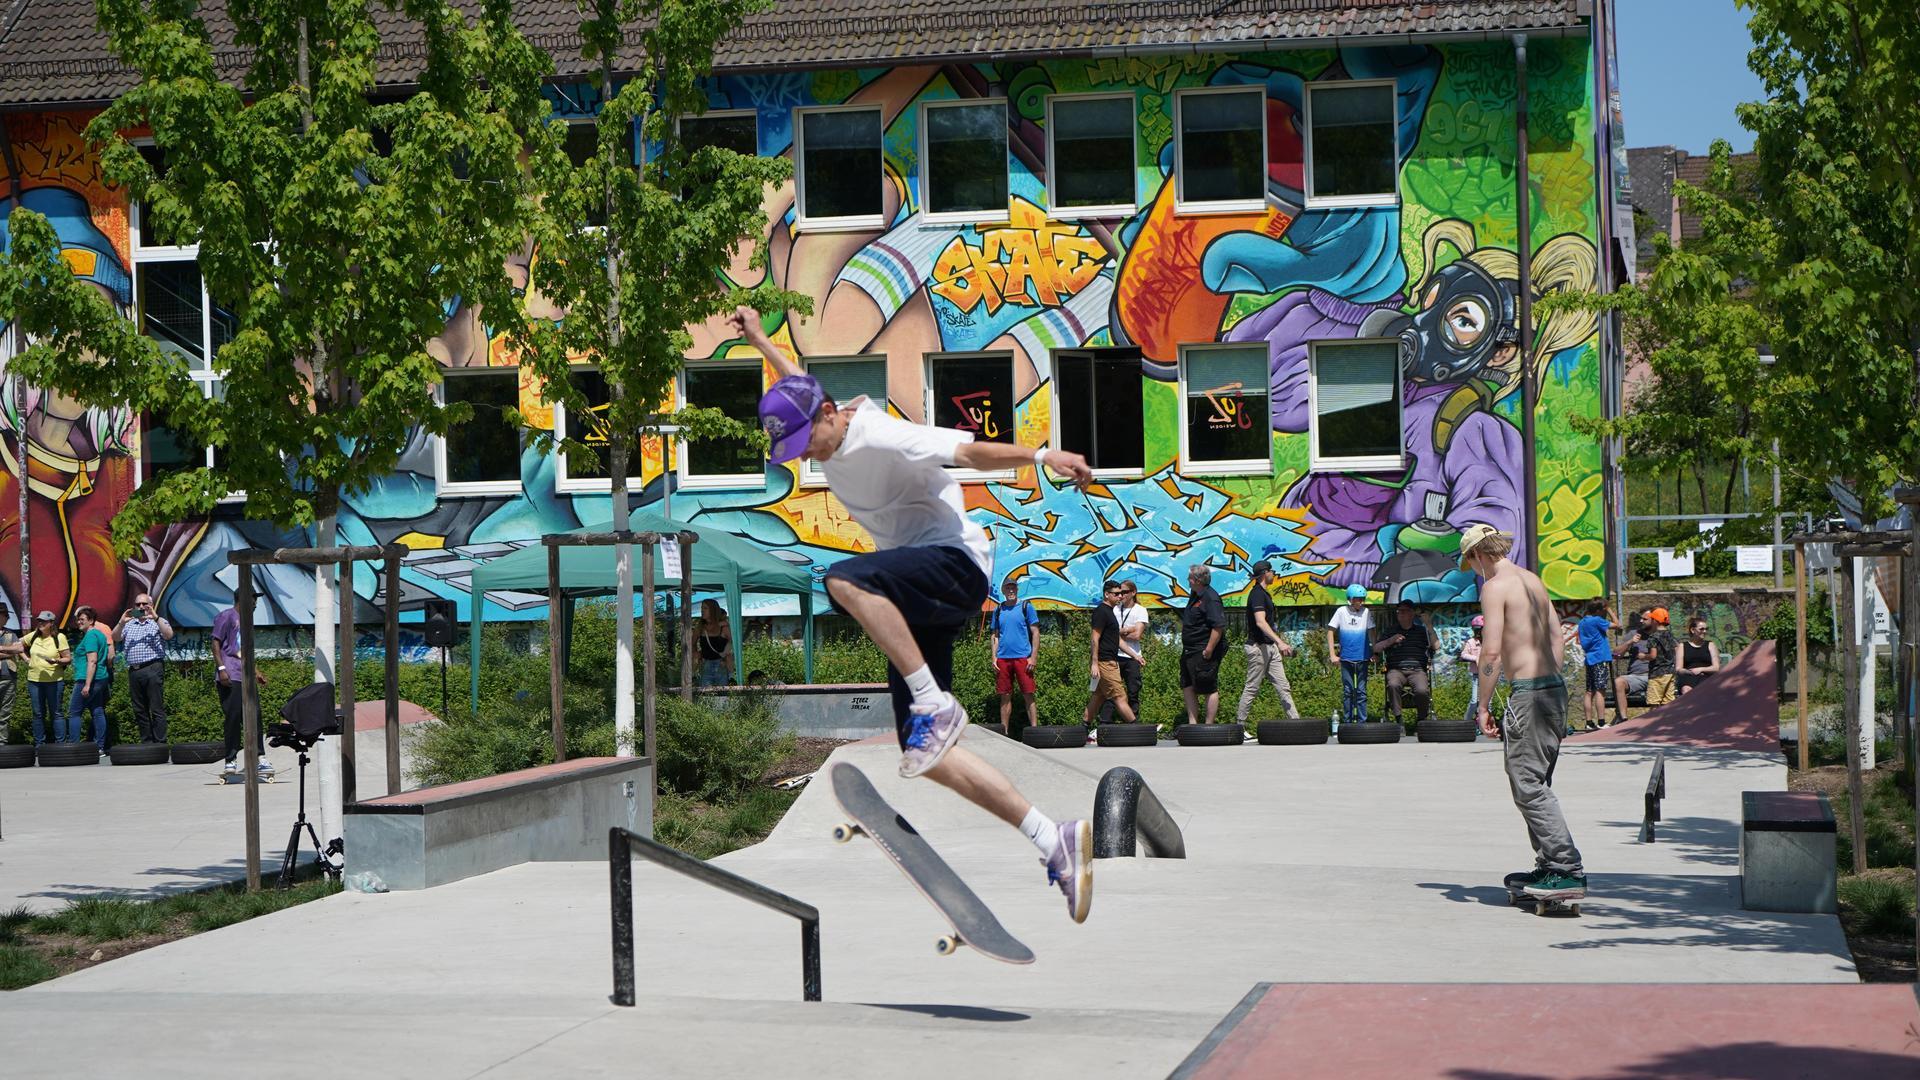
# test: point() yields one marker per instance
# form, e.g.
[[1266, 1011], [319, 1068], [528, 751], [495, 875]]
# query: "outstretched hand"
[[743, 317], [1072, 466]]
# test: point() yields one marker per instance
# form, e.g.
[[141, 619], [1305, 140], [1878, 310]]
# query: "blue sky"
[[1683, 67]]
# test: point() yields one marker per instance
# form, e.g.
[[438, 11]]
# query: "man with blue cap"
[[1347, 641], [926, 579]]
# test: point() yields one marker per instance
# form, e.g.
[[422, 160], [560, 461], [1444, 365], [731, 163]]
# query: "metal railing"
[[623, 844], [1125, 810], [1778, 547], [1656, 790]]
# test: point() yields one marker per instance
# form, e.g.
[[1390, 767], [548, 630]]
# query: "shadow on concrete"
[[1697, 839], [1490, 895], [179, 879], [956, 1012], [1731, 1061]]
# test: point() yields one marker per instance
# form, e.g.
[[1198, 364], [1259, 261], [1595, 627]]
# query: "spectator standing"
[[714, 641], [1597, 650], [1265, 649], [1408, 654], [92, 675], [142, 636], [47, 651], [1105, 665], [1133, 629], [1016, 641], [227, 673], [1699, 658], [1660, 659], [1470, 656], [1348, 633], [12, 650], [1203, 633]]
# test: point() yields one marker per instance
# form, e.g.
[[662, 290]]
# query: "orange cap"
[[1658, 615]]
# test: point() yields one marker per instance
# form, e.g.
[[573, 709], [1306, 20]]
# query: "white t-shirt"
[[891, 475], [1134, 615], [1350, 629]]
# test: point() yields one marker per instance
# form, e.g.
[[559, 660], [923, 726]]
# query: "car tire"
[[1293, 732], [1384, 731], [16, 755], [198, 753], [1447, 731], [1210, 734], [139, 754], [1054, 736], [1129, 734], [56, 755]]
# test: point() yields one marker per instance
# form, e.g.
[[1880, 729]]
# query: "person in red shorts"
[[1016, 641]]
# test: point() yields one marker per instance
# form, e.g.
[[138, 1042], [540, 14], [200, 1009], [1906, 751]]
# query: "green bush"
[[717, 752], [1885, 907]]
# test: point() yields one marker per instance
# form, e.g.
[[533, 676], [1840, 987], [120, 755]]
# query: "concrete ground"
[[1306, 864], [145, 831]]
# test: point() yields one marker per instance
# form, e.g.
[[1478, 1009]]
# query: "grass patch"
[[21, 965], [704, 829], [1882, 907]]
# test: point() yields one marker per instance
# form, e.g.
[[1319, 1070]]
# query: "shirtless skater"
[[1522, 638], [926, 579]]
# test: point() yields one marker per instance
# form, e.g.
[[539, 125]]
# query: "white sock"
[[920, 684], [1042, 831]]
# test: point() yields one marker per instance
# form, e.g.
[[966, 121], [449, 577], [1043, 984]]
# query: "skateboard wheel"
[[948, 945], [843, 833]]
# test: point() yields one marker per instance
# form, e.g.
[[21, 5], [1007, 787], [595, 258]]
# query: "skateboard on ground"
[[1517, 896], [224, 778], [871, 817]]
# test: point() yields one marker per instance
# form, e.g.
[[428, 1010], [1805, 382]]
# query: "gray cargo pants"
[[1264, 664], [1536, 716]]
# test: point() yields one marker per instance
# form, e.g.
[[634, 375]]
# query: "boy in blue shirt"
[[1347, 641], [1597, 649], [1016, 637]]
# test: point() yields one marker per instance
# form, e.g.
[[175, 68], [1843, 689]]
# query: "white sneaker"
[[931, 732], [232, 767]]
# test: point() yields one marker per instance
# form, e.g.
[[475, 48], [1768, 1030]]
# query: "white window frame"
[[1235, 467], [1075, 213], [811, 475], [1306, 121], [588, 485], [927, 360], [1318, 462], [858, 223], [1053, 433], [962, 217], [1223, 206], [683, 464], [444, 486]]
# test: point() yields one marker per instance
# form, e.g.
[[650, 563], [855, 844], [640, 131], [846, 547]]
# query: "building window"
[[582, 142], [846, 380], [972, 392], [484, 451], [1225, 423], [840, 178], [1355, 388], [1352, 152], [964, 159], [734, 389], [1098, 409], [1090, 155], [164, 451], [1221, 153], [594, 471]]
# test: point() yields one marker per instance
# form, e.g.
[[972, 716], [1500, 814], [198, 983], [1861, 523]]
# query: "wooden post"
[[1850, 709], [687, 540], [249, 724], [390, 642], [349, 770], [648, 540], [556, 674], [1800, 643]]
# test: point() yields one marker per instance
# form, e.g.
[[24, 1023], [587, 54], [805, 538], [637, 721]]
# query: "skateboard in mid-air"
[[870, 816], [1518, 895]]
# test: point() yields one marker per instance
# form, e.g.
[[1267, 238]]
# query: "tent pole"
[[687, 540], [648, 542], [556, 674]]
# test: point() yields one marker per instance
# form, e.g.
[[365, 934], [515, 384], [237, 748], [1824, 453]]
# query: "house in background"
[[1263, 264]]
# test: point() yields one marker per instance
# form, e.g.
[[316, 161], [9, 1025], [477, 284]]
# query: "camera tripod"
[[292, 856]]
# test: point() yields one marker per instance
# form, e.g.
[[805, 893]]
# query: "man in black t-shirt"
[[1264, 648], [1409, 649], [1105, 666], [1203, 632]]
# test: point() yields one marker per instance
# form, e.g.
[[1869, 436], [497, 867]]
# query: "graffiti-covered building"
[[1272, 267]]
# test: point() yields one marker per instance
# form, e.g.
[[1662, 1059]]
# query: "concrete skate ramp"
[[1058, 789], [1737, 709]]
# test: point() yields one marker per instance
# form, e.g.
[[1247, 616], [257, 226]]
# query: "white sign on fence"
[[1753, 559], [1672, 565], [670, 558]]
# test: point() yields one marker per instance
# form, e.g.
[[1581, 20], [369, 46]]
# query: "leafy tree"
[[667, 231]]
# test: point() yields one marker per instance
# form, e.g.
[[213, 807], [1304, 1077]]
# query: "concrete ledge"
[[553, 813], [830, 711], [1787, 841]]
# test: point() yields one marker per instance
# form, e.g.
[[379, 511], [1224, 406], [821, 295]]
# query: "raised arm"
[[995, 456], [746, 323]]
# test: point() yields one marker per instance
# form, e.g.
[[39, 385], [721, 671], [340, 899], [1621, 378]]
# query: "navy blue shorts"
[[938, 590]]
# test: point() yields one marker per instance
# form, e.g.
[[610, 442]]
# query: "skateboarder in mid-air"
[[1522, 637], [926, 579]]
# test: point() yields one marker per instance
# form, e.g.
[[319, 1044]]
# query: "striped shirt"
[[141, 642]]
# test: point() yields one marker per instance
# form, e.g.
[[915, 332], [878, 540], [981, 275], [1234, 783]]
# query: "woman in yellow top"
[[47, 655]]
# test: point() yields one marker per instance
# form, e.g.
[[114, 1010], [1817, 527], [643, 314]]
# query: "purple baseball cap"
[[787, 412]]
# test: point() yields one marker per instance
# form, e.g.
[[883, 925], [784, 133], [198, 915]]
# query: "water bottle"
[[366, 881]]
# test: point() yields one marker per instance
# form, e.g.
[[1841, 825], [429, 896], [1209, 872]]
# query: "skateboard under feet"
[[223, 778], [1541, 906], [971, 922]]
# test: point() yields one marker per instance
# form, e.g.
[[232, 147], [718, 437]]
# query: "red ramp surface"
[[1737, 709], [1356, 1031]]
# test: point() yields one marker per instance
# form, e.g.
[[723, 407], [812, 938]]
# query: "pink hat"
[[1479, 621]]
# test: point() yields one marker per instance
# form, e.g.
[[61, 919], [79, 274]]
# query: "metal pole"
[[620, 870], [1529, 387], [687, 540], [1800, 643], [810, 959], [349, 763], [1776, 514], [555, 672], [1850, 709], [391, 643], [249, 725], [647, 542]]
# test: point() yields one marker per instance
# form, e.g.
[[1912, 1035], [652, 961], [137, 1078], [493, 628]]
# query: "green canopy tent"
[[721, 561]]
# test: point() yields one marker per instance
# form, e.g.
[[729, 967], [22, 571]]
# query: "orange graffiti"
[[819, 518], [1029, 261], [1229, 409]]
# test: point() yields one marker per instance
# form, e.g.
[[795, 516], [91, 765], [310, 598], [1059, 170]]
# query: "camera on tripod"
[[307, 717], [289, 736]]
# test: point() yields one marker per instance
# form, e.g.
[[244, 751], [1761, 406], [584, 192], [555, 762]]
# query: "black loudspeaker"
[[441, 620]]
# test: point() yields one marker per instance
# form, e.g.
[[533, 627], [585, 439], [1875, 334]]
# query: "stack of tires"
[[1210, 734], [1054, 736], [1380, 731], [1431, 730], [1293, 732], [1129, 734]]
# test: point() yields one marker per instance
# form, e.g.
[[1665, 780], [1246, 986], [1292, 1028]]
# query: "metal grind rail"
[[1656, 790], [624, 844]]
